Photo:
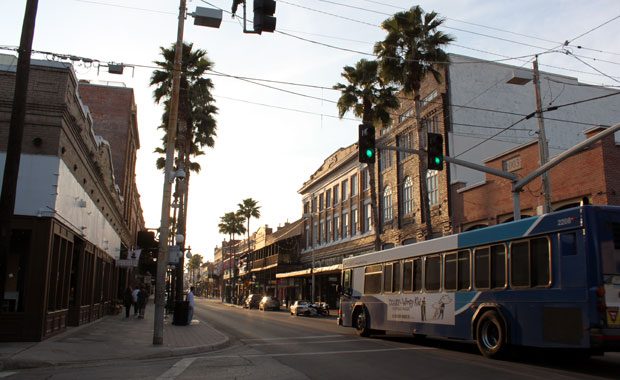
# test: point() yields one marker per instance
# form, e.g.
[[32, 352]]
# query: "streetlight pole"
[[162, 256], [309, 216], [543, 146]]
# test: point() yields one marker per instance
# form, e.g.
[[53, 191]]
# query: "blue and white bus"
[[546, 281]]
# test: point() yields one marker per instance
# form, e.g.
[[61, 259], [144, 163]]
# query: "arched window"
[[408, 196], [387, 204]]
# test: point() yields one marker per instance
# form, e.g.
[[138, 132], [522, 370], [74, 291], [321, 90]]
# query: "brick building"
[[590, 176], [68, 228]]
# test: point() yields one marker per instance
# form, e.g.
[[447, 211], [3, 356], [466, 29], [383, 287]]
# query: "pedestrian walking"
[[190, 309], [135, 300], [128, 301], [142, 297]]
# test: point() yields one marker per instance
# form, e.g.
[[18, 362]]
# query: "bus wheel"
[[361, 323], [491, 335]]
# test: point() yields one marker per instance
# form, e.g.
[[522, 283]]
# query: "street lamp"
[[520, 77], [309, 216], [158, 327]]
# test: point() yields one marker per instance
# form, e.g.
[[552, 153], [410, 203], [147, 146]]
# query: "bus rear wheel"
[[491, 335], [361, 323]]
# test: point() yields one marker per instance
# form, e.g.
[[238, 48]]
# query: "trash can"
[[181, 310]]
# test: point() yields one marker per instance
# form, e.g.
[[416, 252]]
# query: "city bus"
[[550, 281]]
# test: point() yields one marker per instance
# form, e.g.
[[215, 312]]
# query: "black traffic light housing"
[[263, 16], [434, 149], [367, 151]]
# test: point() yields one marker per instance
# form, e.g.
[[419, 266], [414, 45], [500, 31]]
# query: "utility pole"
[[16, 135], [162, 256], [543, 146]]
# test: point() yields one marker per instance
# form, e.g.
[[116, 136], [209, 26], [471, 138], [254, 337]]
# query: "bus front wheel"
[[491, 335], [361, 323]]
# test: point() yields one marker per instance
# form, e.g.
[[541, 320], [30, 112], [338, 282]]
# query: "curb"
[[12, 364]]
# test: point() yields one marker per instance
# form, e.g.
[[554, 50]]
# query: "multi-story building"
[[68, 227], [481, 113]]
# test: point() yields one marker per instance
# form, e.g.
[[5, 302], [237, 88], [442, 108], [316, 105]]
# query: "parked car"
[[252, 301], [269, 302], [300, 307]]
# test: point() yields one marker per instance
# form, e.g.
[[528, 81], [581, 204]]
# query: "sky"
[[272, 136]]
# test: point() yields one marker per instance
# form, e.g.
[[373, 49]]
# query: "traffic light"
[[263, 16], [434, 150], [366, 144]]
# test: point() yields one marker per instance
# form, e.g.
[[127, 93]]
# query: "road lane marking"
[[297, 343], [7, 374], [293, 337], [319, 353], [177, 369]]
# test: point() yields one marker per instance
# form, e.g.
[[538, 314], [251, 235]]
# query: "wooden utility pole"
[[543, 147], [16, 134]]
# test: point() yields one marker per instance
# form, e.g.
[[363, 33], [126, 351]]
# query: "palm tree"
[[411, 50], [231, 224], [249, 209], [196, 127], [369, 98]]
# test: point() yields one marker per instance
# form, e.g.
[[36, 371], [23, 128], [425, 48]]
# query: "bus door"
[[572, 259]]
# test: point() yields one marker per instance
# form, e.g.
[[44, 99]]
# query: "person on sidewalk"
[[190, 309], [142, 297], [135, 300], [128, 301]]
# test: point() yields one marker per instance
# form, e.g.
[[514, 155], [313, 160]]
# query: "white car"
[[300, 307]]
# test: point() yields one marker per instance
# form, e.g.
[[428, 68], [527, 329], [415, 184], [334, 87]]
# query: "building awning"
[[307, 272], [264, 268]]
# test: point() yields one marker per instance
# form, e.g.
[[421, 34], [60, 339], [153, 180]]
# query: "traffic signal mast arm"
[[517, 184], [456, 161]]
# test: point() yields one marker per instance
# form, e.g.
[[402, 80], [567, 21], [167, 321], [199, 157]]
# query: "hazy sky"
[[270, 141]]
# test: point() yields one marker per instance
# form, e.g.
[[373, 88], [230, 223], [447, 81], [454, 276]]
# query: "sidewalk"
[[113, 337]]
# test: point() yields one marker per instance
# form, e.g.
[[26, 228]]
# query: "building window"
[[328, 198], [367, 217], [433, 188], [321, 200], [345, 189], [385, 159], [306, 207], [315, 235], [322, 232], [328, 230], [308, 237], [314, 204], [404, 141], [336, 227], [354, 221], [345, 224], [366, 178], [336, 193], [354, 185], [387, 204], [407, 114], [408, 196]]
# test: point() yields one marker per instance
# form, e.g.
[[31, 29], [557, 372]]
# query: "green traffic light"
[[437, 160], [370, 153]]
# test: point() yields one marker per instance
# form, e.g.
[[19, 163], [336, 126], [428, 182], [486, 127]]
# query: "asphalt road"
[[276, 345]]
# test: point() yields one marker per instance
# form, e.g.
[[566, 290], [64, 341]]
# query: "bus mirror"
[[338, 289], [348, 292]]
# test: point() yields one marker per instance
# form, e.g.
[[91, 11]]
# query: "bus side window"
[[372, 279], [541, 262], [530, 263], [387, 278], [520, 264], [417, 275], [498, 266], [432, 273], [464, 281], [408, 276], [347, 283], [482, 265], [450, 271]]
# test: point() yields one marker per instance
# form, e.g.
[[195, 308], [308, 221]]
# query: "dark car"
[[252, 301]]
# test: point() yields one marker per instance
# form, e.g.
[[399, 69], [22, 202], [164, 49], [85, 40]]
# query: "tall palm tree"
[[368, 97], [231, 224], [249, 208], [412, 49], [196, 127]]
